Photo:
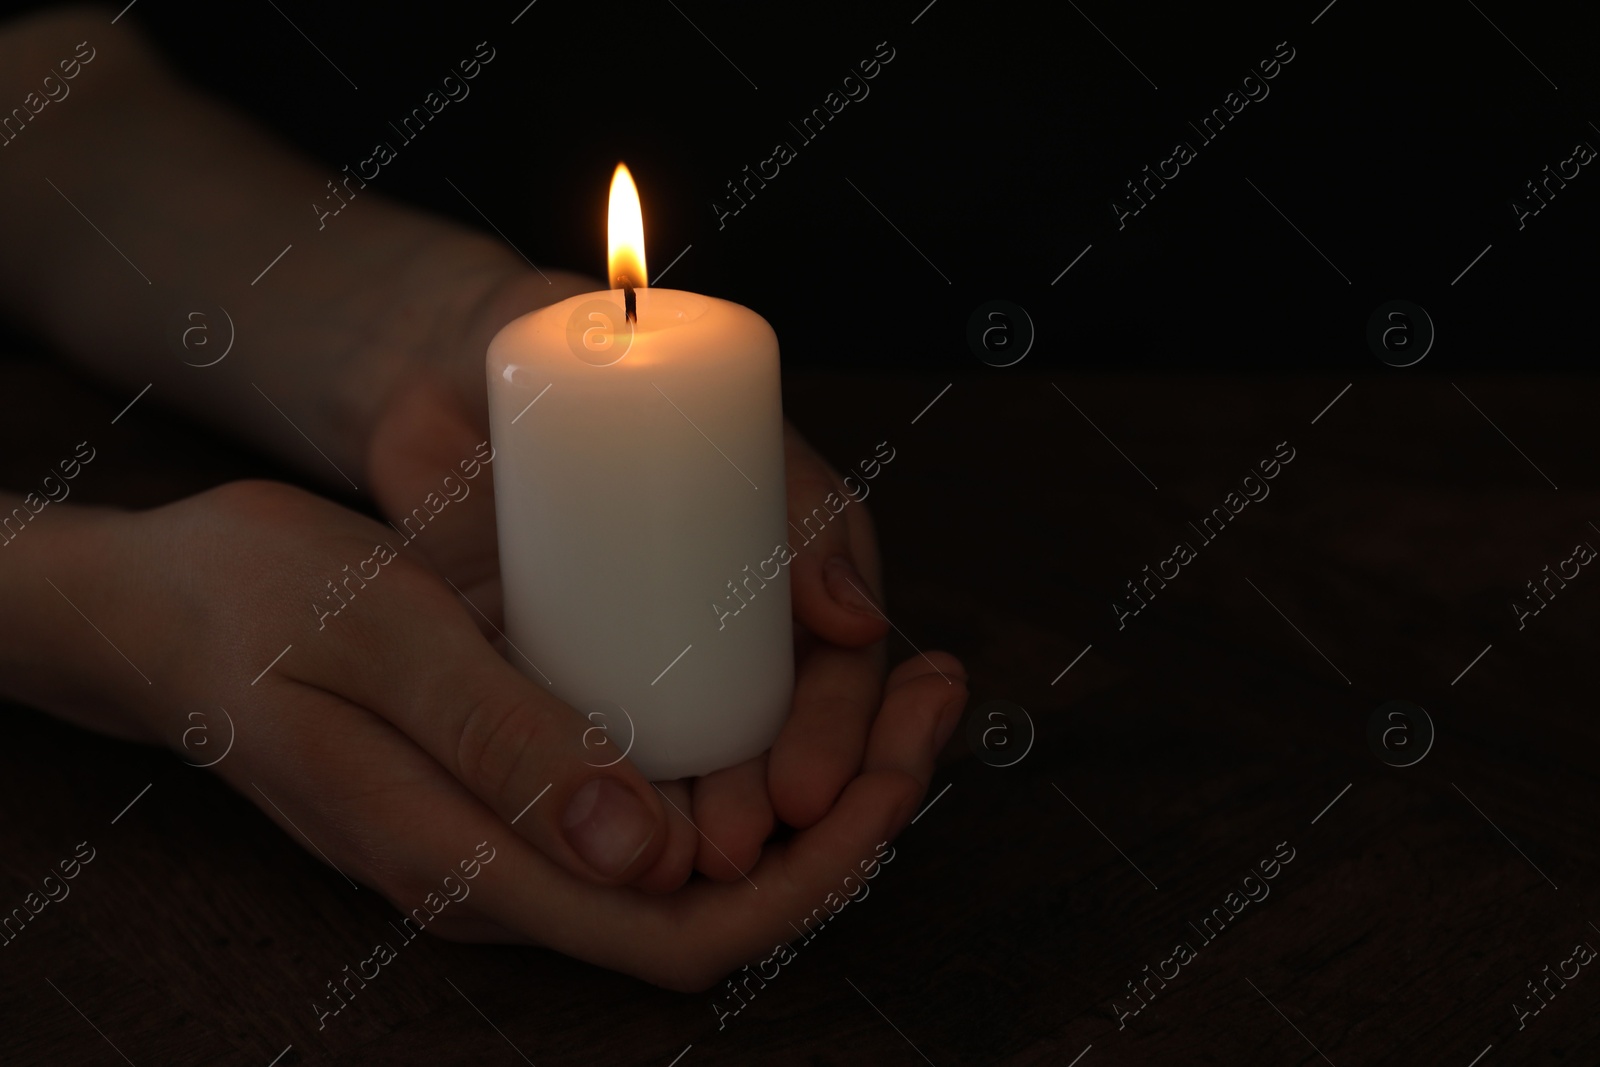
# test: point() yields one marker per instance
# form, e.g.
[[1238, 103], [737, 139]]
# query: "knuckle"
[[496, 737], [257, 500], [248, 492], [411, 581]]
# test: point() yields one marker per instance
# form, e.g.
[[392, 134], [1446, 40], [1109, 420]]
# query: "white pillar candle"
[[640, 503]]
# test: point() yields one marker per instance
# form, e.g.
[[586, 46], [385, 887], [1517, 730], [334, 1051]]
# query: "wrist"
[[455, 291], [53, 656]]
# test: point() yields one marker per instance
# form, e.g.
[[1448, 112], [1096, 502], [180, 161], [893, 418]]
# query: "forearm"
[[197, 203]]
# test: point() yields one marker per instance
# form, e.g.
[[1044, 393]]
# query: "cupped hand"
[[690, 939], [719, 822], [391, 739], [355, 680]]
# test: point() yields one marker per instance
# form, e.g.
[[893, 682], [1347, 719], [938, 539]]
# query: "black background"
[[995, 141]]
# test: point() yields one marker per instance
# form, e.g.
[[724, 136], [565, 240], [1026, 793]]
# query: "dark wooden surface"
[[1197, 739]]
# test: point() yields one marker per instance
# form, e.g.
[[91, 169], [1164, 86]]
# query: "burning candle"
[[640, 503]]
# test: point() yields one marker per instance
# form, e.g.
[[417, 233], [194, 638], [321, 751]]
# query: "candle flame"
[[625, 233]]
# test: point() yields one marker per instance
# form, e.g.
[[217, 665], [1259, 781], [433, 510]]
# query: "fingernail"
[[607, 825], [949, 716], [846, 586]]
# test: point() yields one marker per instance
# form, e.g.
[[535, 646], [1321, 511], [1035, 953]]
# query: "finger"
[[415, 822], [428, 464], [734, 814], [677, 859], [410, 654], [821, 744], [411, 822], [922, 704], [689, 940], [834, 543]]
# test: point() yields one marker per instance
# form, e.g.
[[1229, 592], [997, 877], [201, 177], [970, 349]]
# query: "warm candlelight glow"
[[625, 232], [620, 524]]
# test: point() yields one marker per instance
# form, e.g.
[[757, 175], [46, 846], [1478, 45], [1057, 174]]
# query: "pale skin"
[[396, 736]]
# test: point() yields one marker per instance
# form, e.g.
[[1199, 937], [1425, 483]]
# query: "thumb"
[[416, 661]]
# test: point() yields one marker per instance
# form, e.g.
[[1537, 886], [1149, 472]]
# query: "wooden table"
[[1225, 722]]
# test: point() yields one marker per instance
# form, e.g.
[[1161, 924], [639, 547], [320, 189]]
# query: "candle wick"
[[630, 303]]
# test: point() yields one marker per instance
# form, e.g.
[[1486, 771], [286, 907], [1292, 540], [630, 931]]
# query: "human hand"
[[439, 416], [393, 740], [355, 680], [690, 939]]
